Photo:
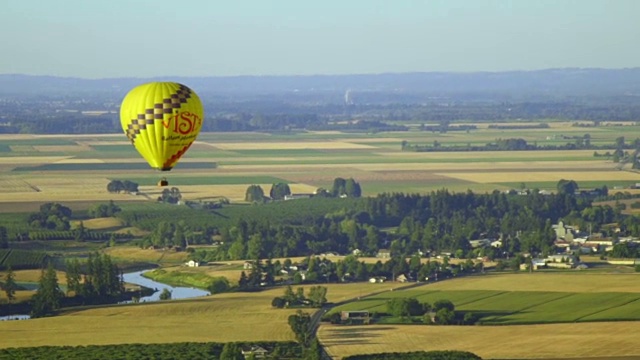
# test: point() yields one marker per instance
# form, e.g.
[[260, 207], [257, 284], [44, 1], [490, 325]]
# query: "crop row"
[[71, 235], [21, 259]]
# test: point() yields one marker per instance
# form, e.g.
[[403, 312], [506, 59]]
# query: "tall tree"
[[300, 324], [254, 193], [10, 285], [47, 298], [4, 238], [279, 190]]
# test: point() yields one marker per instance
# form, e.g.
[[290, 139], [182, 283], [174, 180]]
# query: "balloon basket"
[[163, 182]]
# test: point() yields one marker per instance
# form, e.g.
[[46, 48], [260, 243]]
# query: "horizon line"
[[321, 74]]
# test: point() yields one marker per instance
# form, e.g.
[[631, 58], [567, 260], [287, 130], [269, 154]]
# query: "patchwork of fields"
[[586, 302], [41, 168]]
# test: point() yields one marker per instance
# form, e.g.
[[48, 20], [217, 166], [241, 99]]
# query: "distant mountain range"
[[550, 82]]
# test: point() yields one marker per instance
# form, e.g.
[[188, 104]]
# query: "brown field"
[[579, 341]]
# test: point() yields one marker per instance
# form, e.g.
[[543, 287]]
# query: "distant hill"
[[551, 82]]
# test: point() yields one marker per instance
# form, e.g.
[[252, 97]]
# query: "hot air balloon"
[[162, 120]]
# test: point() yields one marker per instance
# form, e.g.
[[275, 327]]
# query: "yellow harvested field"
[[98, 223], [15, 185], [26, 160], [290, 145], [579, 341], [132, 253], [33, 276], [536, 176], [219, 318], [61, 148], [565, 282], [80, 161]]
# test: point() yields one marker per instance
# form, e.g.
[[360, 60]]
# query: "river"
[[177, 292]]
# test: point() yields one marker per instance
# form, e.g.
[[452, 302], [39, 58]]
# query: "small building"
[[248, 265], [479, 243], [377, 279], [355, 317], [297, 196], [384, 254], [258, 352], [193, 263], [402, 278]]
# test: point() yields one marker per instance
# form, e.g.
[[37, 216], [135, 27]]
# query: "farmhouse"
[[479, 243], [297, 196], [354, 317], [193, 263], [383, 253], [258, 352]]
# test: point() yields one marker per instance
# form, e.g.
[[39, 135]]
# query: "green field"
[[499, 307]]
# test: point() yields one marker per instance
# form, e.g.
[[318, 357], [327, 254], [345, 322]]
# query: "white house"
[[193, 263]]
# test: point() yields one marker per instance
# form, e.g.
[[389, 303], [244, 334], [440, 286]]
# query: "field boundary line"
[[483, 298], [599, 311], [532, 306]]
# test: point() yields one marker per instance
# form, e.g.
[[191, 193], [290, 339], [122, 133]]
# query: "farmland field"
[[36, 169], [504, 302], [218, 318], [76, 168]]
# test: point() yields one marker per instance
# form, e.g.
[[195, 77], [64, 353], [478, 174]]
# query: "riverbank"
[[181, 278]]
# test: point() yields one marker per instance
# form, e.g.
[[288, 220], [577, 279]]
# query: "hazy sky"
[[141, 38]]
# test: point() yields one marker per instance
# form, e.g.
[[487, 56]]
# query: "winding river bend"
[[177, 292]]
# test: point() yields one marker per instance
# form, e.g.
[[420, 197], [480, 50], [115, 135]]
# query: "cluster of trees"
[[302, 327], [442, 312], [170, 196], [118, 186], [340, 188], [437, 222], [46, 300], [104, 210], [168, 351], [431, 223], [96, 278], [168, 234], [53, 216], [316, 298]]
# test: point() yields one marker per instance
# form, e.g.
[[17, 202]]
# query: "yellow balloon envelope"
[[162, 119]]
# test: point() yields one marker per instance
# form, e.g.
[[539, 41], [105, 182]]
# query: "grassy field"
[[69, 168], [504, 301]]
